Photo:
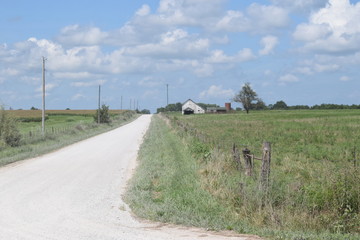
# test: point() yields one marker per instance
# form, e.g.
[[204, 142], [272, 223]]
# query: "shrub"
[[8, 130], [104, 114]]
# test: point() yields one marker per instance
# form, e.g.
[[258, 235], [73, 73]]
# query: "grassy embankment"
[[314, 191], [63, 127]]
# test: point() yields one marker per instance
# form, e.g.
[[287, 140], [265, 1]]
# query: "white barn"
[[190, 107]]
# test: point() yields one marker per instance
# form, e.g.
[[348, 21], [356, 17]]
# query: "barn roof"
[[194, 103]]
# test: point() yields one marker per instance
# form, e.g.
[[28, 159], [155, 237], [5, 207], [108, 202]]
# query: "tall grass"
[[314, 184], [166, 186]]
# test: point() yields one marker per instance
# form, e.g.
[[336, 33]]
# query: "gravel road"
[[75, 193]]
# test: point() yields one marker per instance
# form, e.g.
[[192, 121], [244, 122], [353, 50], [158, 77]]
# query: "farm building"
[[225, 109], [216, 110], [190, 107]]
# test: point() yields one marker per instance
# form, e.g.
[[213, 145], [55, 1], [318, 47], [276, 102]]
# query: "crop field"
[[315, 166]]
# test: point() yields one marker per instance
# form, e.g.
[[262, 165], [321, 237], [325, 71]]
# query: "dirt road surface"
[[75, 193]]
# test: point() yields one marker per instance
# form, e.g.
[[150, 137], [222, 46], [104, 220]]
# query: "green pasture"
[[314, 181], [55, 123], [311, 134], [61, 129]]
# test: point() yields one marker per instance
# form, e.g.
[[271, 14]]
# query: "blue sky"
[[298, 51]]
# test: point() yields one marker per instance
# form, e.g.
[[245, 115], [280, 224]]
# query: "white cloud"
[[189, 12], [344, 78], [77, 96], [9, 71], [257, 19], [269, 42], [304, 70], [245, 55], [268, 72], [300, 5], [143, 11], [288, 78], [176, 44], [308, 33], [218, 56], [202, 69], [48, 87], [149, 82], [310, 67], [217, 91], [88, 83], [333, 29], [173, 36], [72, 75], [81, 35]]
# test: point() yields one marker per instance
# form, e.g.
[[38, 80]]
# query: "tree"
[[259, 105], [280, 105], [104, 114], [173, 107], [145, 111], [160, 110], [246, 97]]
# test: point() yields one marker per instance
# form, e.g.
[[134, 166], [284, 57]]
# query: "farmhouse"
[[190, 107]]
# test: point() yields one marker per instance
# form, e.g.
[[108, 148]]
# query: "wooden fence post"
[[236, 156], [265, 167], [248, 162]]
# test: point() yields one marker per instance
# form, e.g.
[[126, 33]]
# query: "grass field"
[[314, 183], [62, 127], [33, 115], [315, 186]]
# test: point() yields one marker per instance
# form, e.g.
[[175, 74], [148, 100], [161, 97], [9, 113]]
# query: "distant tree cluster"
[[250, 101], [281, 105], [173, 107], [144, 111], [335, 106]]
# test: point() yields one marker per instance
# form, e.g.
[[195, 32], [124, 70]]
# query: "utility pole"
[[167, 94], [99, 105], [43, 97], [121, 103]]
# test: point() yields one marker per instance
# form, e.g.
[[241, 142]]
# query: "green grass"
[[61, 130], [314, 191], [55, 123], [166, 186]]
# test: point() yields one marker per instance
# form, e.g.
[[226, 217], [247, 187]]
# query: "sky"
[[304, 52]]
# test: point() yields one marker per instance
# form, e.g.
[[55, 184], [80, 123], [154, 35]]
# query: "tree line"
[[250, 101]]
